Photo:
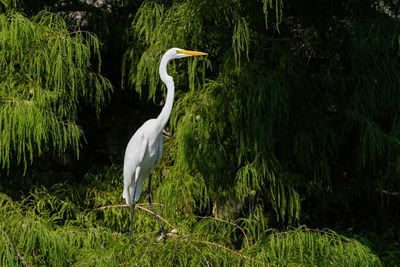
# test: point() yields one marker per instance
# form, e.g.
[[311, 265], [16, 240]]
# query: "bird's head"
[[174, 53], [180, 53]]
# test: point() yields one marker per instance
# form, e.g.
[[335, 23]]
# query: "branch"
[[166, 134], [204, 257], [370, 29], [143, 234], [234, 224], [149, 211], [304, 230], [110, 206], [137, 205], [12, 204], [144, 253], [230, 250], [21, 259], [28, 102], [206, 234], [388, 192]]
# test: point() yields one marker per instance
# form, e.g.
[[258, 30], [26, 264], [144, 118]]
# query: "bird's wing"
[[142, 146], [160, 149]]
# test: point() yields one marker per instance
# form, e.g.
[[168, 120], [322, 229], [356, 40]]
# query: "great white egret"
[[145, 147]]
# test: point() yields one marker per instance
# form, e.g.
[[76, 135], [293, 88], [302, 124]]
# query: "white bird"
[[145, 147]]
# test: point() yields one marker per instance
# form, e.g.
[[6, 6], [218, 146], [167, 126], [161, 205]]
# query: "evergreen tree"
[[296, 122], [291, 120], [46, 74]]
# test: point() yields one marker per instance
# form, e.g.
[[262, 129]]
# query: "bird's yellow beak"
[[192, 53]]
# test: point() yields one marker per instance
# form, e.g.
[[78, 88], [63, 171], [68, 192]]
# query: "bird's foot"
[[162, 232]]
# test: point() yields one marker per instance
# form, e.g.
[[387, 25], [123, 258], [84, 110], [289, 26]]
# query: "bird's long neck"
[[169, 82]]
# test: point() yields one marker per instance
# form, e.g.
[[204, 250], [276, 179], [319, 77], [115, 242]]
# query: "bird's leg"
[[132, 211], [155, 214], [133, 206]]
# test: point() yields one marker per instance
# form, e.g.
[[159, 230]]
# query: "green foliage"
[[292, 119], [316, 248], [85, 224], [278, 6], [289, 120], [46, 74], [210, 155], [8, 4], [370, 109]]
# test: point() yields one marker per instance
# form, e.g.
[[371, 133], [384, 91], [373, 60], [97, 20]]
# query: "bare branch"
[[388, 192], [144, 253], [234, 224], [21, 259], [230, 250], [149, 211], [139, 206], [28, 102]]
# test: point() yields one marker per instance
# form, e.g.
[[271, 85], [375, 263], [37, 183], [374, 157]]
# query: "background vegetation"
[[283, 147]]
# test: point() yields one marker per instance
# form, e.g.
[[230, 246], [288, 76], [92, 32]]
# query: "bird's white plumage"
[[144, 150], [145, 147]]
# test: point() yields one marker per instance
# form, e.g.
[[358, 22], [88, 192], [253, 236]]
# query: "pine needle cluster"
[[280, 121], [87, 225], [46, 75]]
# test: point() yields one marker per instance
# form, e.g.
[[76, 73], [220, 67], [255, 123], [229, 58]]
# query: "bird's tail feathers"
[[125, 195]]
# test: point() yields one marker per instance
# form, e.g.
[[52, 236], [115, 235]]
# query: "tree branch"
[[137, 205], [21, 259], [230, 250], [16, 101], [234, 224]]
